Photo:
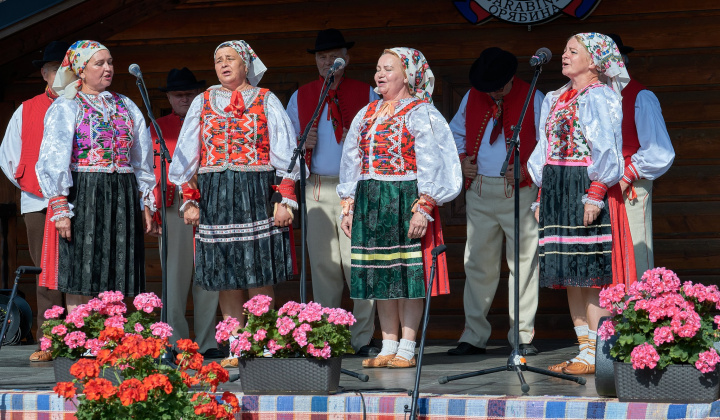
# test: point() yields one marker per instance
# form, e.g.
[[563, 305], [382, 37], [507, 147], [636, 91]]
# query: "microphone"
[[26, 269], [542, 56], [134, 69], [337, 65], [438, 250]]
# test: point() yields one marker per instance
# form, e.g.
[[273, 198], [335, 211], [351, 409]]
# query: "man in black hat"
[[18, 155], [182, 88], [648, 154], [328, 247], [481, 127]]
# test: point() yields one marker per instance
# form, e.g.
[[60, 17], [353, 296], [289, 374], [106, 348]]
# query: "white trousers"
[[490, 209], [329, 251], [639, 214]]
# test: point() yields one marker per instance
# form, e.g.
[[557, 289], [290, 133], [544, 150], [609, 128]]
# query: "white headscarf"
[[606, 56], [417, 70], [255, 67], [67, 80]]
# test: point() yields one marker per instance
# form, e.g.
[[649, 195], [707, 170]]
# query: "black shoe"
[[367, 351], [465, 349], [213, 353], [528, 350]]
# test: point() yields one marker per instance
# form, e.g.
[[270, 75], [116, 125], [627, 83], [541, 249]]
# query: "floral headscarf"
[[255, 67], [417, 70], [606, 56], [67, 80]]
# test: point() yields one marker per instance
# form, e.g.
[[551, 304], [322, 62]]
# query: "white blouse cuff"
[[599, 204]]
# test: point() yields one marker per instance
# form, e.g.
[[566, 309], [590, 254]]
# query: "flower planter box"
[[289, 375], [674, 384], [62, 365]]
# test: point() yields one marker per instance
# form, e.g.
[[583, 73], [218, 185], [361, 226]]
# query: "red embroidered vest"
[[33, 116], [238, 144], [478, 114], [170, 126], [353, 95], [391, 145], [631, 142]]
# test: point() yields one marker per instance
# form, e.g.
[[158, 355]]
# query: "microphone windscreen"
[[546, 52], [134, 69]]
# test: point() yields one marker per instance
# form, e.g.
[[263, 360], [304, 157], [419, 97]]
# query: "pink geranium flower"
[[284, 325], [54, 312], [225, 329], [45, 343], [644, 356], [606, 330], [59, 330], [117, 321], [707, 361], [75, 339], [161, 330], [147, 302], [663, 335], [291, 308], [311, 313], [258, 305]]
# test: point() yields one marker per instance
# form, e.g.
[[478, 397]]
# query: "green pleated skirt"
[[385, 263]]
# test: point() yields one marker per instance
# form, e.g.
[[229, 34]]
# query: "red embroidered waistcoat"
[[479, 112], [238, 144], [392, 146], [33, 116], [631, 142], [352, 95]]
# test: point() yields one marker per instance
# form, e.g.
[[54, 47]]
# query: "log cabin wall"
[[677, 46]]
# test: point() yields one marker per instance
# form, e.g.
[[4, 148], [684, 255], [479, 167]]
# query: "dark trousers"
[[46, 298]]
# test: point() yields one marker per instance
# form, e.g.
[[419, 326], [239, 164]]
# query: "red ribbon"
[[237, 104]]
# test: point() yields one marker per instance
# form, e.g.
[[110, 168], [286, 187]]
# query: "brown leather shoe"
[[400, 362], [378, 361], [41, 356], [579, 368], [230, 362], [559, 367]]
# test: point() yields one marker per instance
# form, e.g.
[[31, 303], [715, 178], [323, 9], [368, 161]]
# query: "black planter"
[[675, 384], [264, 375]]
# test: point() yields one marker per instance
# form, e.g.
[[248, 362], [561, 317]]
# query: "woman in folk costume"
[[96, 166], [399, 163], [239, 140], [585, 241]]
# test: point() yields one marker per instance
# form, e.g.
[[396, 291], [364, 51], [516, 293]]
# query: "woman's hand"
[[191, 215], [537, 214], [63, 227], [591, 213], [282, 216], [346, 225], [418, 226]]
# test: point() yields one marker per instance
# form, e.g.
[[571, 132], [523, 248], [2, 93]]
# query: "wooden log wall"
[[677, 46]]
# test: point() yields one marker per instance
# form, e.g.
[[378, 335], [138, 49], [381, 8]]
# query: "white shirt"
[[656, 153], [327, 152], [490, 157], [10, 151]]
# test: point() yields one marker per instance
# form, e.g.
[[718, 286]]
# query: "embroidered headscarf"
[[67, 80], [606, 56], [255, 67], [417, 70]]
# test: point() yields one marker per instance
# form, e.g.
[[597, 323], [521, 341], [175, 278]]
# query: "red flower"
[[132, 390], [65, 389], [111, 334], [158, 380], [231, 399], [213, 374], [187, 345], [85, 368], [99, 388]]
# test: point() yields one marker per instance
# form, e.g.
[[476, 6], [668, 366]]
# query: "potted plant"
[[294, 349], [79, 334], [148, 389], [665, 333]]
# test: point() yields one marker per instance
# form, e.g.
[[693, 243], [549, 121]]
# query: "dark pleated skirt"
[[570, 253], [107, 248], [385, 263], [237, 246]]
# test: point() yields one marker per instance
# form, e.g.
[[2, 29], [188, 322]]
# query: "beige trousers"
[[179, 276], [490, 209], [329, 251], [639, 214]]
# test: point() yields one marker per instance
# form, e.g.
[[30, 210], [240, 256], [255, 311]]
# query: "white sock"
[[581, 331], [590, 354], [406, 349], [389, 347]]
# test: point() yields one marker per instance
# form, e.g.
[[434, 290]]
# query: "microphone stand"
[[165, 158], [414, 409], [516, 362], [299, 153]]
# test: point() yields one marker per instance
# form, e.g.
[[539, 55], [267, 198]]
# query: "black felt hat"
[[55, 51], [493, 69], [624, 49], [330, 39], [183, 79]]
